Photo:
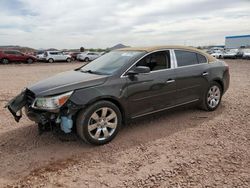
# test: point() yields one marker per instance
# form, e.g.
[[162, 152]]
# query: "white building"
[[237, 41]]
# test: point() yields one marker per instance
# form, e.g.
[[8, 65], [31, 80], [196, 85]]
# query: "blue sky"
[[100, 24]]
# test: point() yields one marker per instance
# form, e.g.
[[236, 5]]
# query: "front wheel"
[[212, 97], [99, 123], [5, 61]]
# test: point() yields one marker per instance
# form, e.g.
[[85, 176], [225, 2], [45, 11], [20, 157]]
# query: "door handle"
[[170, 81], [204, 73]]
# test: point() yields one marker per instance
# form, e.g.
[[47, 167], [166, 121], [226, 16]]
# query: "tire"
[[30, 61], [68, 60], [92, 123], [212, 98], [5, 61], [86, 59], [50, 60]]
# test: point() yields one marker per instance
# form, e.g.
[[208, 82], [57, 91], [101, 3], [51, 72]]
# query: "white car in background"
[[87, 56], [231, 53], [218, 54], [246, 54], [52, 56]]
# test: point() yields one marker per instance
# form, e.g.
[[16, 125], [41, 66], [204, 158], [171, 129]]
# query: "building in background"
[[240, 41]]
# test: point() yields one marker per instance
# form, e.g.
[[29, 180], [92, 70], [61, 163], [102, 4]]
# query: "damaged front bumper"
[[16, 104], [62, 117]]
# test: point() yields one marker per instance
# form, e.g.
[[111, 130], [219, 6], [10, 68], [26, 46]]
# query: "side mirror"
[[138, 70]]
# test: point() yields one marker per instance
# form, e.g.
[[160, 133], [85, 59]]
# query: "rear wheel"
[[99, 123], [30, 61], [212, 97], [68, 60], [51, 60], [5, 61], [86, 59]]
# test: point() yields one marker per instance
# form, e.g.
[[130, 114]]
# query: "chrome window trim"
[[172, 64], [188, 65]]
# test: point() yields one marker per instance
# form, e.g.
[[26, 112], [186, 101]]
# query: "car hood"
[[66, 81]]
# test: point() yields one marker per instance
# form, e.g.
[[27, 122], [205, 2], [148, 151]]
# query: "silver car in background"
[[88, 56]]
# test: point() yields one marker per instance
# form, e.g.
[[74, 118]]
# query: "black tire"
[[68, 60], [30, 61], [5, 61], [86, 59], [205, 104], [84, 117], [50, 60]]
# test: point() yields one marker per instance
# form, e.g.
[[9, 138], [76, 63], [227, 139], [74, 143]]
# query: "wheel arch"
[[220, 82], [109, 99]]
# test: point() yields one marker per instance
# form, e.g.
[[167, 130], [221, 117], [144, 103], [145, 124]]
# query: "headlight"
[[51, 103]]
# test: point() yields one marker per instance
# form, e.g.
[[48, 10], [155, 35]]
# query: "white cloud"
[[92, 23]]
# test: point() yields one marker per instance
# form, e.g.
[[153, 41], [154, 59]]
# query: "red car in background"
[[7, 56]]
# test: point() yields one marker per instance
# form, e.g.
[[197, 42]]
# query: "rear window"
[[185, 58]]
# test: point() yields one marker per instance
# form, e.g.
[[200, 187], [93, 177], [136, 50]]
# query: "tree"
[[82, 49]]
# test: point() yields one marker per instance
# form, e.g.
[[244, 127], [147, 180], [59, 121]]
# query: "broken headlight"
[[51, 103]]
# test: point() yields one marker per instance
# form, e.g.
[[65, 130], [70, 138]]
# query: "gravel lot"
[[185, 147]]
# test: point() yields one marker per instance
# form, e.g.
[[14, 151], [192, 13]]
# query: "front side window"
[[185, 58], [156, 61]]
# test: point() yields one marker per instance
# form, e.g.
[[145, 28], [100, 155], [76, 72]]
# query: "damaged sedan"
[[96, 99]]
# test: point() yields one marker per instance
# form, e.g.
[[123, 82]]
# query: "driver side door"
[[153, 91]]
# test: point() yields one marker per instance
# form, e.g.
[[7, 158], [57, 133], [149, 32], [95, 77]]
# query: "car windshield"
[[110, 62]]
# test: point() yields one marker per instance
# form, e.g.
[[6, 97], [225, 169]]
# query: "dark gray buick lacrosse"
[[96, 99]]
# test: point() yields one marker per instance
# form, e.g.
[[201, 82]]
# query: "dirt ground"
[[185, 147]]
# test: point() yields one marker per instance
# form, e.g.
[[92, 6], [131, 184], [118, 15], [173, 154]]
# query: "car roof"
[[178, 47]]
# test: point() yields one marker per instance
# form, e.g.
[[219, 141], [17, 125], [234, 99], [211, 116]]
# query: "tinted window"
[[201, 58], [185, 58], [9, 52], [156, 61], [53, 53]]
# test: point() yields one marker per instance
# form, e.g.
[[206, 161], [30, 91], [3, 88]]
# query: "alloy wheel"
[[102, 123], [213, 96]]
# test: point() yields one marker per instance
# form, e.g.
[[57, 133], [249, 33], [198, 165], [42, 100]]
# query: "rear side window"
[[9, 52], [53, 53], [185, 58], [201, 58]]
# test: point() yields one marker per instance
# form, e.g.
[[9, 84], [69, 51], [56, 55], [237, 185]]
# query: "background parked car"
[[7, 56], [246, 54], [74, 55], [218, 54], [40, 55], [51, 56], [231, 53], [88, 56]]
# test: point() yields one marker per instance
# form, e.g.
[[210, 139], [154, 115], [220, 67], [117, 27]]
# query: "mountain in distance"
[[118, 46]]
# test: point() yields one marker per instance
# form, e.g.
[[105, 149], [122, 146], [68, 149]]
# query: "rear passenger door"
[[191, 76]]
